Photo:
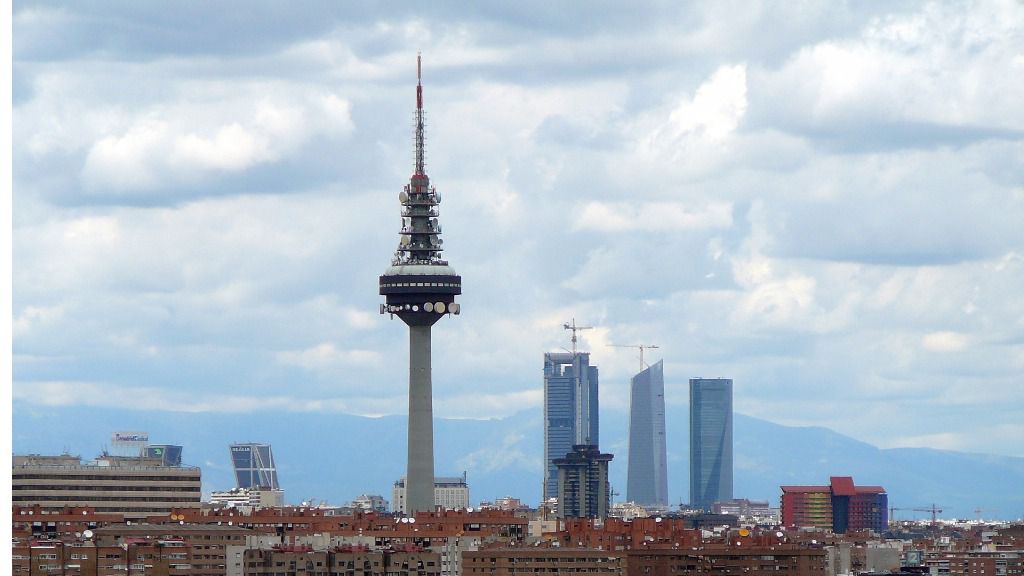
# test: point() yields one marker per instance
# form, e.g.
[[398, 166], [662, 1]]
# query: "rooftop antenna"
[[419, 168], [641, 347], [575, 329]]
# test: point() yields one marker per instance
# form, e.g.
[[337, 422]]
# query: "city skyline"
[[197, 211]]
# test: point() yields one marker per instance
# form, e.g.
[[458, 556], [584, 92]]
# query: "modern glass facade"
[[647, 477], [710, 441], [570, 410], [254, 466], [169, 454]]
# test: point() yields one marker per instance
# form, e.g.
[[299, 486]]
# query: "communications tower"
[[419, 288]]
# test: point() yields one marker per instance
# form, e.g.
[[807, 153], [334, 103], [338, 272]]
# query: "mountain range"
[[334, 457]]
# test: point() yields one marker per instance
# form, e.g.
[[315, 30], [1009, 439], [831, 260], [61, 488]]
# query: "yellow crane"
[[641, 347], [934, 510], [575, 329]]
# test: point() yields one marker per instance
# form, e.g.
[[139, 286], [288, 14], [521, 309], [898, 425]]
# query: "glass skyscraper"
[[570, 410], [710, 441], [647, 477], [254, 466]]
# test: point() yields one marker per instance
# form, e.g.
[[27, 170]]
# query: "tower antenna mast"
[[419, 168]]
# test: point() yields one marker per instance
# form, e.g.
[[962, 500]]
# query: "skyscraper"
[[419, 288], [570, 410], [583, 489], [254, 466], [710, 441], [647, 477]]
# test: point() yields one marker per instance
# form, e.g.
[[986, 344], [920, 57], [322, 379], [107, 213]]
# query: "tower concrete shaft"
[[420, 289], [419, 479]]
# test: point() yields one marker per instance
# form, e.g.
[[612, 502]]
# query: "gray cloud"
[[821, 201]]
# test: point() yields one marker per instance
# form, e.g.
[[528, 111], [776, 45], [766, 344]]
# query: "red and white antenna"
[[419, 82], [419, 168]]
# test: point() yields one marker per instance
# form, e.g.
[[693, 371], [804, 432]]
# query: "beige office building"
[[133, 486], [450, 493]]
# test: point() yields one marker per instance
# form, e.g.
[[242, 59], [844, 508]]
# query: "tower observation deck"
[[420, 288]]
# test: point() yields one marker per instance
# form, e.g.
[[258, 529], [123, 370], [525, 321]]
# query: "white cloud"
[[208, 128], [327, 356], [488, 405], [944, 342], [67, 393], [190, 139], [671, 217], [944, 64], [705, 120], [33, 316], [106, 395], [508, 455], [716, 108]]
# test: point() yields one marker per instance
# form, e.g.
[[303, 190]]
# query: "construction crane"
[[934, 510], [575, 329], [641, 347], [892, 514]]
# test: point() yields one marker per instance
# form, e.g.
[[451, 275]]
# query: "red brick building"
[[342, 561], [841, 506]]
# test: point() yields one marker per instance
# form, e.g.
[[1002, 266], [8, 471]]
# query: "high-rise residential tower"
[[570, 410], [420, 289], [254, 466], [583, 489], [647, 477], [710, 441]]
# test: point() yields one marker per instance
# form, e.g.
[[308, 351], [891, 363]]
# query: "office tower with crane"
[[570, 407], [647, 473], [420, 288], [710, 441]]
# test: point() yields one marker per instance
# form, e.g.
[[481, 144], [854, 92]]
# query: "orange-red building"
[[841, 506]]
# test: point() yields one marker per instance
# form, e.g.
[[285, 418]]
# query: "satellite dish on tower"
[[405, 240], [403, 196], [87, 534]]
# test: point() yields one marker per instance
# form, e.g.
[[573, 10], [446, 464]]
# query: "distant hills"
[[335, 457]]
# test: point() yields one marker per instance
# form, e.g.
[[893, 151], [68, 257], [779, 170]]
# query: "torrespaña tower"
[[420, 288]]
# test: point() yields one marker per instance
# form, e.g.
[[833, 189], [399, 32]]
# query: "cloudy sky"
[[823, 201]]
